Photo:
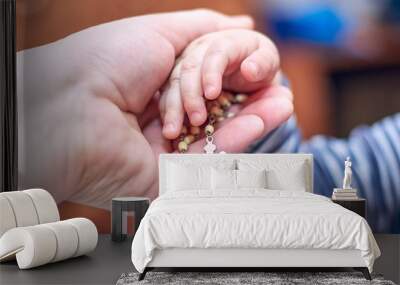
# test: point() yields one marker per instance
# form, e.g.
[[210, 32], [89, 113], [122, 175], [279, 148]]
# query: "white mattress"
[[253, 218]]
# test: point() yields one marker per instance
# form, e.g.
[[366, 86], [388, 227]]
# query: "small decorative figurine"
[[347, 174], [346, 192]]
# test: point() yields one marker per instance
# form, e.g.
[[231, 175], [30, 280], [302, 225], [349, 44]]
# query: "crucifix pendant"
[[209, 148]]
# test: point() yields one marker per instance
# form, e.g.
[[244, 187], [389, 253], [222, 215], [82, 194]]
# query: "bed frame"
[[246, 258], [261, 259]]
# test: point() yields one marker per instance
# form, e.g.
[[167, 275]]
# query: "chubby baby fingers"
[[262, 64], [219, 56], [191, 89], [171, 109]]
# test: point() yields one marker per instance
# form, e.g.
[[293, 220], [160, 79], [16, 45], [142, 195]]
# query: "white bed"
[[220, 225]]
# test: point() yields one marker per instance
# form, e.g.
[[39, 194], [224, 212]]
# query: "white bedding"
[[251, 218]]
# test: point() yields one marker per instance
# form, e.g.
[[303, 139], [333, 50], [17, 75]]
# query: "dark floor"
[[106, 264], [103, 266]]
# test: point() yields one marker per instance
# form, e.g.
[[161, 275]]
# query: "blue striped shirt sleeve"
[[375, 153]]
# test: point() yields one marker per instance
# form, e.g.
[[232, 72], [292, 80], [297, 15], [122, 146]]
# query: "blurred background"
[[342, 58]]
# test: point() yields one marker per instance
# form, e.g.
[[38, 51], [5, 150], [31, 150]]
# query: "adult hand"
[[91, 123]]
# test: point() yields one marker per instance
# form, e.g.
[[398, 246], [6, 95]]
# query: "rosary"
[[218, 111]]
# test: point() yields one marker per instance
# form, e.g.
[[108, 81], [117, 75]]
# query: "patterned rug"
[[243, 278]]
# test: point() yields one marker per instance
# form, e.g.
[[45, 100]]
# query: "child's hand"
[[236, 60]]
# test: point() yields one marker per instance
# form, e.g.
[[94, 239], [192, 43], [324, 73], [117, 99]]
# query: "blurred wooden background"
[[43, 21]]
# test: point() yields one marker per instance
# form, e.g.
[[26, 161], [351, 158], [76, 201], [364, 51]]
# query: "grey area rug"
[[229, 278]]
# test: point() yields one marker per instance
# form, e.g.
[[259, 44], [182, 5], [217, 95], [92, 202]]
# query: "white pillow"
[[251, 178], [288, 174], [292, 179], [223, 179], [219, 163], [183, 177]]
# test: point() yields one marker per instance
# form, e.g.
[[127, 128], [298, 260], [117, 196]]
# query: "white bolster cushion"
[[40, 244], [67, 240], [23, 208], [46, 207], [87, 235], [26, 208], [33, 246], [7, 218]]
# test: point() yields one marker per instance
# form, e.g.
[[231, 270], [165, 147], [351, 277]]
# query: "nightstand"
[[358, 205], [138, 205]]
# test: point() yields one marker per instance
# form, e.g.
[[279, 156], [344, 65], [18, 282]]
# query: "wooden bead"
[[189, 139], [229, 96], [217, 111], [182, 146], [220, 119], [211, 103], [194, 130], [229, 115], [211, 119], [209, 130], [224, 101], [240, 98], [184, 130]]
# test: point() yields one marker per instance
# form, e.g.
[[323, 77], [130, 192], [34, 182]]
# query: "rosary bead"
[[182, 146], [223, 101], [209, 130], [211, 103], [211, 119], [229, 115], [229, 96], [217, 111], [194, 130], [189, 139], [220, 119], [240, 98], [184, 130]]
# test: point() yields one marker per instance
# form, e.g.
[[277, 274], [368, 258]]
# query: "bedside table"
[[137, 205], [358, 206]]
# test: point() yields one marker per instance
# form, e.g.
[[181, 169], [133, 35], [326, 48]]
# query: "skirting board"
[[189, 257]]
